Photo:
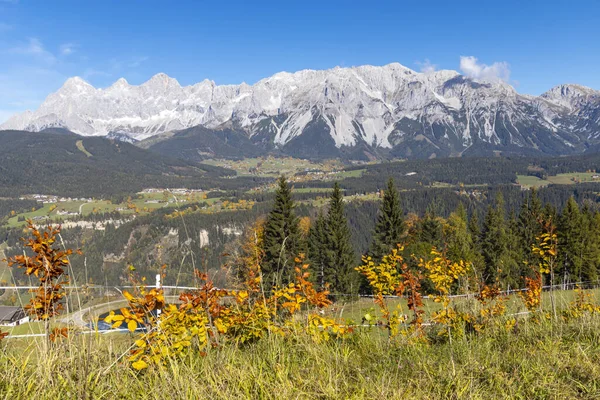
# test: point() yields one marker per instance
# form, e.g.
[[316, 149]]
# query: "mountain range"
[[359, 112]]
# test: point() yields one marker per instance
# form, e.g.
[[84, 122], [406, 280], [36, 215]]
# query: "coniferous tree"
[[591, 249], [390, 226], [281, 239], [529, 227], [430, 229], [475, 233], [571, 235], [317, 242], [512, 261], [475, 230], [494, 241], [339, 255]]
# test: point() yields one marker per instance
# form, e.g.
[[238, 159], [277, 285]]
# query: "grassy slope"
[[560, 179], [5, 275], [538, 361]]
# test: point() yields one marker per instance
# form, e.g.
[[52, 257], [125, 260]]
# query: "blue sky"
[[533, 44]]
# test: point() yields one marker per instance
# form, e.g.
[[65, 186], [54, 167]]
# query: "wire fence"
[[83, 307]]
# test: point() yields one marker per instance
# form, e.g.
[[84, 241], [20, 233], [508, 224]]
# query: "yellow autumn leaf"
[[139, 365], [132, 325], [128, 295]]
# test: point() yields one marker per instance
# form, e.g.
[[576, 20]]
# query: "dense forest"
[[489, 226], [69, 165], [479, 190]]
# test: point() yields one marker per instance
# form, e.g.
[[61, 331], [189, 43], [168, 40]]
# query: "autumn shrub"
[[444, 273], [210, 317], [48, 264], [392, 277]]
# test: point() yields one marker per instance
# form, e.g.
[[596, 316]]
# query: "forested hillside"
[[463, 219], [69, 165]]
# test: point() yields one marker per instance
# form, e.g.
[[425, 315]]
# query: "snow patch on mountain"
[[377, 105]]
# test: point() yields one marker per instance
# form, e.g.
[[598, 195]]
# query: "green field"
[[273, 167], [357, 173], [145, 202], [5, 275], [353, 311], [560, 179]]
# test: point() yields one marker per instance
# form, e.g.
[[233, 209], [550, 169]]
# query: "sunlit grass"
[[561, 360], [568, 178]]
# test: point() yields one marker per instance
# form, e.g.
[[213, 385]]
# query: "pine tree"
[[430, 229], [512, 260], [529, 228], [571, 226], [281, 237], [591, 250], [339, 255], [475, 233], [390, 226], [474, 229], [317, 240], [494, 241]]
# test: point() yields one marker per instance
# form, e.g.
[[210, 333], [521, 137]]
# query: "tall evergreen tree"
[[339, 255], [475, 233], [281, 237], [591, 248], [390, 226], [475, 229], [494, 241], [571, 235], [512, 260], [317, 242], [430, 228], [529, 228]]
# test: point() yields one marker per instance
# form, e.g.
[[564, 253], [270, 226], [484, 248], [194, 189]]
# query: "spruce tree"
[[339, 257], [390, 226], [281, 238], [591, 250], [512, 260], [571, 235], [475, 230], [317, 241], [529, 228], [494, 241], [430, 228], [475, 233]]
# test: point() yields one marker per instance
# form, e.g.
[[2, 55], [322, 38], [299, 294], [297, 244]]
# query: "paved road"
[[83, 317]]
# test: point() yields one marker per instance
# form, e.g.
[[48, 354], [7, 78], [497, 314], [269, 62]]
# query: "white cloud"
[[426, 66], [138, 61], [91, 72], [472, 68], [67, 48], [35, 48]]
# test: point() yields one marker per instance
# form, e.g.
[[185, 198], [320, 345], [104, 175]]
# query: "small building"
[[12, 316]]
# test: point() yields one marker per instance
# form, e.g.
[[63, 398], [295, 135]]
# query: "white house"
[[12, 316]]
